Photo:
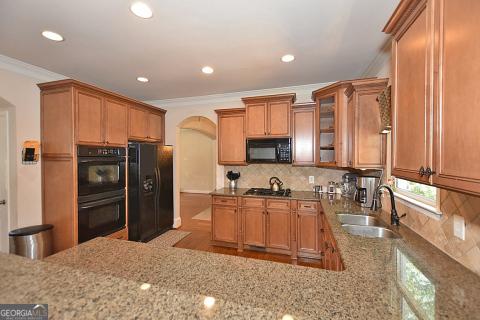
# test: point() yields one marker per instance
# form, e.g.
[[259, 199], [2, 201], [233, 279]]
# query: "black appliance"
[[100, 169], [101, 191], [269, 150], [150, 190], [268, 192]]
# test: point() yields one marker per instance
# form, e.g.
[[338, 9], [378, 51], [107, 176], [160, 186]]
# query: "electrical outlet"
[[311, 179], [459, 226]]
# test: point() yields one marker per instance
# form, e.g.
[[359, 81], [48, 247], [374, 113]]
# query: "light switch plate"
[[311, 179], [459, 226]]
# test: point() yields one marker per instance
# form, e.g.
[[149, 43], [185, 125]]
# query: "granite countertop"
[[295, 195], [383, 279]]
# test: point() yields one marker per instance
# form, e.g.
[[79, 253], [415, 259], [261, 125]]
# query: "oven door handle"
[[97, 203], [102, 160]]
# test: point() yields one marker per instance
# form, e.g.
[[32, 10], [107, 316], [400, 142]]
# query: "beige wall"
[[19, 92], [438, 231], [197, 163]]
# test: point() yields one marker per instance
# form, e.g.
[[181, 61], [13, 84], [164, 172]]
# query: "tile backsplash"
[[295, 178], [440, 232]]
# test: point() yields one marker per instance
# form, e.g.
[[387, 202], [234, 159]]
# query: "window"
[[417, 191], [422, 198]]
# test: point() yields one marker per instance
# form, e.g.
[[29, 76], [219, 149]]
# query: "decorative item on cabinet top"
[[384, 103]]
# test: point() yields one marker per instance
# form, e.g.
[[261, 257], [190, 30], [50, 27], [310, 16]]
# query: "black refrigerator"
[[150, 190]]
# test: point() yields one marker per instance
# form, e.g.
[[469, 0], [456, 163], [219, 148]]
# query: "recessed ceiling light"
[[288, 58], [142, 79], [207, 70], [52, 35], [141, 10]]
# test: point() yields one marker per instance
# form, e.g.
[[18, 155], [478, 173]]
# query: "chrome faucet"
[[376, 203]]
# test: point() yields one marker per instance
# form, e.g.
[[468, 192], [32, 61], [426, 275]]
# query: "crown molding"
[[303, 92], [382, 57], [28, 70]]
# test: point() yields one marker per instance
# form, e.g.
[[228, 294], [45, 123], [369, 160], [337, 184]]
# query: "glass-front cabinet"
[[327, 143]]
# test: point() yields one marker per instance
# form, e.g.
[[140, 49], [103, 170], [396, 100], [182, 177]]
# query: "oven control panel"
[[85, 151]]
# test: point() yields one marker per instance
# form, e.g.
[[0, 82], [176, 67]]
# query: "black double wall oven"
[[101, 191]]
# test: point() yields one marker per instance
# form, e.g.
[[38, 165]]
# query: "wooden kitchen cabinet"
[[224, 223], [412, 102], [332, 259], [278, 229], [308, 233], [231, 137], [254, 226], [146, 124], [100, 120], [74, 113], [366, 145], [303, 134], [268, 116], [441, 133]]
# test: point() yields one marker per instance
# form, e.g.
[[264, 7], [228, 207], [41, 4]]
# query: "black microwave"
[[269, 150]]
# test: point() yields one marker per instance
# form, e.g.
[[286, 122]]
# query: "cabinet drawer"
[[308, 205], [278, 204], [225, 201], [253, 202]]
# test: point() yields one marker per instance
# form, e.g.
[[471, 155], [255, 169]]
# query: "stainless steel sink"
[[370, 231], [362, 220]]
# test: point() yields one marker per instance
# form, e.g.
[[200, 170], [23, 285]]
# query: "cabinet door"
[[278, 119], [351, 130], [137, 123], [278, 229], [307, 232], [304, 136], [411, 105], [457, 110], [224, 224], [256, 120], [115, 123], [254, 226], [155, 126], [89, 118], [231, 139]]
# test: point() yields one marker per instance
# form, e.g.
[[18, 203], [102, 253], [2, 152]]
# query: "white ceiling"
[[105, 44]]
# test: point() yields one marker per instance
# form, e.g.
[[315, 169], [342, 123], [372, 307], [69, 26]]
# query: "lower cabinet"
[[331, 255], [224, 224], [254, 226], [278, 229], [307, 232]]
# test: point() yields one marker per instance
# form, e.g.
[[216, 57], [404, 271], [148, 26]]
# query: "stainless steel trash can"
[[33, 242]]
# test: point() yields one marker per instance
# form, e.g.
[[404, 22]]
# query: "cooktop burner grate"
[[268, 192]]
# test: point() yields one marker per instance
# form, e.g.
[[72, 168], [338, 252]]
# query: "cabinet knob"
[[422, 171], [429, 172]]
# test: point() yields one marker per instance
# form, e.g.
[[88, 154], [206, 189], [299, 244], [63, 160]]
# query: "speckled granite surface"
[[384, 279], [295, 195]]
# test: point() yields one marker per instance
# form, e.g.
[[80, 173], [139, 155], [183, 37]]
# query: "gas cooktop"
[[268, 192]]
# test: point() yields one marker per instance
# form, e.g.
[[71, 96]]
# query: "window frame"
[[419, 203]]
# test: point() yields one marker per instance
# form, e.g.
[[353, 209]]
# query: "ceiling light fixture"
[[141, 10], [207, 70], [52, 36], [142, 79], [288, 58]]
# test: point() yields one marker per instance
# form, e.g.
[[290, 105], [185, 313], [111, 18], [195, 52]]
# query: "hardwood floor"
[[190, 205]]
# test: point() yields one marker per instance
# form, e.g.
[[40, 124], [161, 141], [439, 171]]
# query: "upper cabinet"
[[331, 122], [412, 102], [146, 124], [99, 119], [438, 144], [366, 145], [268, 116], [303, 134], [231, 136]]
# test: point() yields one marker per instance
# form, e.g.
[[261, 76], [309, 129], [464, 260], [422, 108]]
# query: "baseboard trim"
[[177, 222]]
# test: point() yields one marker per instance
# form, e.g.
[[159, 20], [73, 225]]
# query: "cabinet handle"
[[421, 172], [429, 172]]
